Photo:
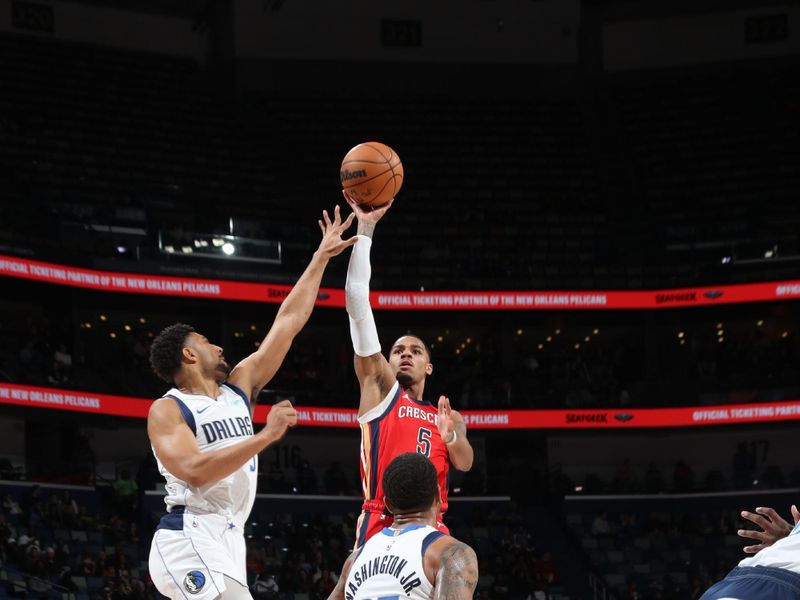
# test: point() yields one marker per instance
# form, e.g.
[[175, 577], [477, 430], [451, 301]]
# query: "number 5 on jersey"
[[424, 442]]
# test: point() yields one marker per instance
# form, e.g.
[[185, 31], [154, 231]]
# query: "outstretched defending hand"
[[445, 422], [281, 416], [774, 527], [367, 214], [332, 243]]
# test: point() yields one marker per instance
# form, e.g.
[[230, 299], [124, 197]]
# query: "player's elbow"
[[356, 297], [464, 466], [195, 474], [192, 477], [463, 463], [195, 481]]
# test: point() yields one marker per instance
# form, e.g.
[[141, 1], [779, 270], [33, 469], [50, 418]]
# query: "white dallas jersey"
[[216, 423], [783, 554], [389, 565]]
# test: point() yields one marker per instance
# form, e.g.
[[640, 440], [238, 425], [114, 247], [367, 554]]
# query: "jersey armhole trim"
[[185, 413], [381, 410], [429, 539], [239, 391]]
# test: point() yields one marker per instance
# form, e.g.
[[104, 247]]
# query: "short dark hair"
[[414, 335], [166, 350], [410, 483]]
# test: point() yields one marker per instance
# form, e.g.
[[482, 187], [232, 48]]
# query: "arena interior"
[[597, 237]]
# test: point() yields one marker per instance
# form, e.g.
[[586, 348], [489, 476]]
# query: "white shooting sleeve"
[[363, 331]]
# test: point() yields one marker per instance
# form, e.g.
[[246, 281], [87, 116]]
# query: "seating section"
[[468, 180], [715, 148], [105, 136], [96, 135], [499, 192], [55, 548], [732, 355], [656, 550], [59, 544]]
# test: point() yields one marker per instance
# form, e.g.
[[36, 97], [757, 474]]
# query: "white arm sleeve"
[[363, 331]]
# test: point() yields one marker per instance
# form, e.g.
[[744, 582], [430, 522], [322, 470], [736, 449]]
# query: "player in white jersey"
[[773, 573], [202, 436], [411, 559]]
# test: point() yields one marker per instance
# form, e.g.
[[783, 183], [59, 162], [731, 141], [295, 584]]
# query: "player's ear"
[[388, 505], [429, 369], [188, 355]]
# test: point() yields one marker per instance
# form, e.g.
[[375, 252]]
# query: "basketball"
[[371, 174]]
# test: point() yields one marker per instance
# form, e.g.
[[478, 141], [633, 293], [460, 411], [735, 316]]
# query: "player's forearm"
[[461, 453], [299, 304], [363, 332], [207, 467]]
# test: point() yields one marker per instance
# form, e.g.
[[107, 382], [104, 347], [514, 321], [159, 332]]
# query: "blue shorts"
[[756, 583]]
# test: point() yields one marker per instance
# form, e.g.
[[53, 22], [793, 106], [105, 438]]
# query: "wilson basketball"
[[371, 174]]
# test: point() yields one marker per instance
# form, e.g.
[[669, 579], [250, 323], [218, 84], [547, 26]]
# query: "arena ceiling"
[[194, 9]]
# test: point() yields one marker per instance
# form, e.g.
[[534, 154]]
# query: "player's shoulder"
[[462, 548], [448, 541], [446, 549], [160, 405], [232, 389], [163, 412]]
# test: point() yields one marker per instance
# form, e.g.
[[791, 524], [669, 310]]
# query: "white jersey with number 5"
[[389, 565]]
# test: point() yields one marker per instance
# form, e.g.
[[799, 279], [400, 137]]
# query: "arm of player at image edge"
[[453, 430], [176, 446], [455, 565], [338, 591], [372, 369], [255, 371], [773, 527]]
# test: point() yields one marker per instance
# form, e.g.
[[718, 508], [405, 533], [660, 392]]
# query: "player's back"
[[390, 565], [397, 425]]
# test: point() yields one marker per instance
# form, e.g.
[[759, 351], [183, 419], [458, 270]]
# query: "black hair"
[[166, 350], [410, 483], [424, 345]]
